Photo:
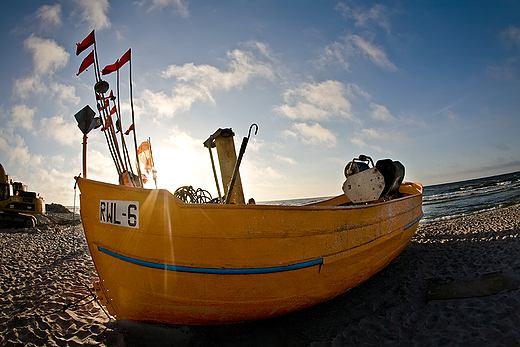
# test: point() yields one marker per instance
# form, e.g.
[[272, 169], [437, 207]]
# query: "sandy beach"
[[458, 282]]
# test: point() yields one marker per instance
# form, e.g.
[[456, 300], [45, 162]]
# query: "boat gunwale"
[[182, 204]]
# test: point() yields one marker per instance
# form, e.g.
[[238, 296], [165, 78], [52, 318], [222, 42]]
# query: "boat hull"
[[216, 264]]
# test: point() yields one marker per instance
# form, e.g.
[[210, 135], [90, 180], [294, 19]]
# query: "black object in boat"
[[393, 172]]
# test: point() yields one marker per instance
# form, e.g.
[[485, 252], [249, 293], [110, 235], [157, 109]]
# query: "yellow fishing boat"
[[186, 258], [168, 261]]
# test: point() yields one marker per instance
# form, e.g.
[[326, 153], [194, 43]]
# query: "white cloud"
[[22, 116], [64, 93], [100, 166], [260, 179], [13, 147], [181, 6], [507, 70], [376, 54], [94, 13], [286, 160], [511, 36], [48, 176], [345, 48], [337, 51], [381, 113], [316, 101], [26, 85], [59, 129], [377, 15], [200, 82], [451, 115], [353, 90], [364, 139], [314, 134], [50, 15], [360, 142], [372, 133], [48, 56]]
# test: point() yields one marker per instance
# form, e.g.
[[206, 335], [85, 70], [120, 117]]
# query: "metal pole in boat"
[[86, 122], [214, 173], [97, 75], [84, 155], [154, 172], [133, 122], [119, 117], [243, 146]]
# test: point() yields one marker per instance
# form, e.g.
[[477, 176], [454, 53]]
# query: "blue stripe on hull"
[[412, 223], [225, 271], [212, 270]]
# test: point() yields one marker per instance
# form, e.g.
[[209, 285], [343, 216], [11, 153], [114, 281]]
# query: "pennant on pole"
[[86, 43], [110, 68], [132, 127], [104, 105], [118, 125], [111, 96], [108, 123], [113, 110], [144, 153], [89, 60], [125, 58], [118, 64]]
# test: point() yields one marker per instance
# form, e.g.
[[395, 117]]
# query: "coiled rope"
[[191, 196]]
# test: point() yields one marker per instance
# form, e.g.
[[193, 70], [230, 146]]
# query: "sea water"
[[449, 200]]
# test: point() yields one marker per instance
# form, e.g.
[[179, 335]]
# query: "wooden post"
[[227, 158], [84, 155]]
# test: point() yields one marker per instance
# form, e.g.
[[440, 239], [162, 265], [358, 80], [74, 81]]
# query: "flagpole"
[[119, 116], [114, 143], [98, 76], [110, 145], [114, 139], [111, 136], [154, 172], [133, 122]]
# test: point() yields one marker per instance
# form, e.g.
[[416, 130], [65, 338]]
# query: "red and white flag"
[[86, 43], [110, 68], [108, 123], [125, 58], [111, 96], [103, 105], [89, 60], [132, 127]]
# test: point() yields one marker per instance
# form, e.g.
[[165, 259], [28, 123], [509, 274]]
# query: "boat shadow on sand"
[[442, 288]]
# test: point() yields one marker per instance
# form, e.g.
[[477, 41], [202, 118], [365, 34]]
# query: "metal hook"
[[251, 127]]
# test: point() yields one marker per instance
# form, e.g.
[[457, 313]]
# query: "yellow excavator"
[[18, 207]]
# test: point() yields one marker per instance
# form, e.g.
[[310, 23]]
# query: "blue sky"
[[432, 84]]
